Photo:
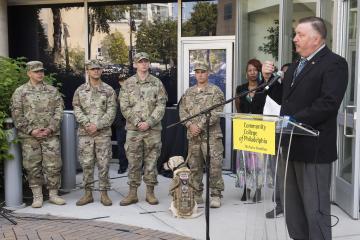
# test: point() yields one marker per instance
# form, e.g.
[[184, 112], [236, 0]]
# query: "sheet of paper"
[[271, 107]]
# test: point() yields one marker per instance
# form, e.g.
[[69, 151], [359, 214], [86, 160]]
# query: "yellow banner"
[[254, 136]]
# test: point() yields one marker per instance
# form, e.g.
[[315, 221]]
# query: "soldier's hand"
[[37, 133], [91, 128], [267, 69], [194, 130], [143, 126], [45, 132]]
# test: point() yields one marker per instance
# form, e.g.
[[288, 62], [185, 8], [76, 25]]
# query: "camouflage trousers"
[[42, 157], [196, 160], [95, 150], [143, 150]]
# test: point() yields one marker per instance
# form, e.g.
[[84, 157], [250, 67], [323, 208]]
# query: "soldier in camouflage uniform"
[[94, 105], [142, 103], [195, 99], [37, 110]]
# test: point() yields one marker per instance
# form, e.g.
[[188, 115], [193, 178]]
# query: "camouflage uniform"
[[95, 105], [193, 101], [143, 101], [34, 107]]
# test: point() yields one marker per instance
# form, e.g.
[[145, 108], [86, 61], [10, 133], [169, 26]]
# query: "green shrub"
[[4, 146], [12, 75]]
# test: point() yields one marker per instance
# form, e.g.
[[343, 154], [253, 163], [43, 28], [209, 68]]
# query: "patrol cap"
[[33, 66], [91, 64], [141, 55], [201, 66]]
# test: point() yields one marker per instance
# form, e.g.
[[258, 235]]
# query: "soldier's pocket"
[[102, 104], [83, 98], [218, 144]]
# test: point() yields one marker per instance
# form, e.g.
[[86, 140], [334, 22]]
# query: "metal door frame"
[[215, 42], [346, 194]]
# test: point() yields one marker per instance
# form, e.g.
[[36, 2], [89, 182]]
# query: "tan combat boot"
[[37, 197], [104, 199], [150, 196], [87, 198], [215, 202], [130, 198], [55, 198]]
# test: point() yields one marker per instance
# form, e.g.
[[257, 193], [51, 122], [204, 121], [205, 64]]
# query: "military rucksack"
[[182, 192]]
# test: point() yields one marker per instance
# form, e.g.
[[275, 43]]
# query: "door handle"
[[345, 121]]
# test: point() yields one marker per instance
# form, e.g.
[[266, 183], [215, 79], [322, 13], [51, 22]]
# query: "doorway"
[[218, 53], [346, 181]]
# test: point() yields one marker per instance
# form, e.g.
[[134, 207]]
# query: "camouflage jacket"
[[193, 101], [34, 107], [95, 105], [143, 101]]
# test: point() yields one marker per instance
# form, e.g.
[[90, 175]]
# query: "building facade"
[[225, 33]]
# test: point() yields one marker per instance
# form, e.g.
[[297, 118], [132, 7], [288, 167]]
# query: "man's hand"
[[143, 126], [268, 68], [194, 130], [46, 132], [41, 132], [91, 128], [37, 133]]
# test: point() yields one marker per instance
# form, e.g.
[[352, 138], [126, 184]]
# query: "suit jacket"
[[314, 99]]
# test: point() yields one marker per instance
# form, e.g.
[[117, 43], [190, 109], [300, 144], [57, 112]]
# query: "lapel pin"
[[312, 62]]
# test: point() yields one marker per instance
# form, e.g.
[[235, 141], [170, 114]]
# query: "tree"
[[159, 39], [271, 46], [77, 59], [99, 17], [114, 48], [57, 21], [203, 20]]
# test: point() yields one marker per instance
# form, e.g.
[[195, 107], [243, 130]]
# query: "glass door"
[[218, 53], [347, 168]]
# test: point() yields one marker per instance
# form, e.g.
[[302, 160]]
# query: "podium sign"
[[254, 136], [262, 143]]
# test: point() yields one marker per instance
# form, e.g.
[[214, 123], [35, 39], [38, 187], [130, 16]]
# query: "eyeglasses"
[[39, 71]]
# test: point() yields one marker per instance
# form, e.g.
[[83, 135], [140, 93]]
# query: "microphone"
[[276, 77]]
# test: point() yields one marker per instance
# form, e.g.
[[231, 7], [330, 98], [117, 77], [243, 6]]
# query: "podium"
[[262, 145]]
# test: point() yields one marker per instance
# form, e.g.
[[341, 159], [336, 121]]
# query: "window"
[[228, 11]]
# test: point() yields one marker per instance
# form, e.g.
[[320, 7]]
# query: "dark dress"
[[250, 165], [252, 105]]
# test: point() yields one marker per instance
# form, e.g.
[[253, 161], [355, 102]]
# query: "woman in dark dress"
[[250, 165], [254, 101]]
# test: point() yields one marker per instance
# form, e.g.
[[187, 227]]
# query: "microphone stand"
[[3, 213], [207, 113]]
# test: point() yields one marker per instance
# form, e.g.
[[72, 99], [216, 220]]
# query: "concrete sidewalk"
[[234, 220]]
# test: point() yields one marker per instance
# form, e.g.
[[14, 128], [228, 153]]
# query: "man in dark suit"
[[311, 93]]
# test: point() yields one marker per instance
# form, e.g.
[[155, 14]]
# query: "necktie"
[[300, 67]]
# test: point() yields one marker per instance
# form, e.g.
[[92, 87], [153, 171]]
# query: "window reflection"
[[117, 32], [345, 164], [208, 18], [54, 36]]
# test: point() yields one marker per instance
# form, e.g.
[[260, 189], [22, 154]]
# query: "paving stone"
[[55, 228]]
